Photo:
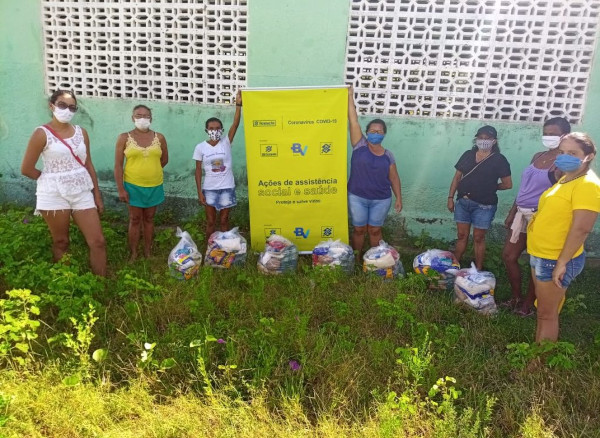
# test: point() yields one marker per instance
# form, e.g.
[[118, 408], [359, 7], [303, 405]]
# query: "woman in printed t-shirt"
[[67, 184], [566, 215], [373, 178], [476, 182], [140, 184], [213, 156], [535, 179]]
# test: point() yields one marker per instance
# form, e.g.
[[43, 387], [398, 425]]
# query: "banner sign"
[[296, 153]]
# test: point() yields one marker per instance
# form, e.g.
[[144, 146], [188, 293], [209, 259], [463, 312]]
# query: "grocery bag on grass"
[[476, 289], [333, 253], [280, 255], [439, 266], [225, 249], [383, 260], [184, 260]]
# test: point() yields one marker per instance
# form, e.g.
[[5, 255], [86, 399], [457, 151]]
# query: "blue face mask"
[[568, 163], [374, 138]]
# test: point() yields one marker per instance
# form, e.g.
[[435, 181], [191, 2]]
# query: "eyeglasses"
[[62, 106]]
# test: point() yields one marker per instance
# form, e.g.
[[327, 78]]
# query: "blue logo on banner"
[[298, 149], [299, 232], [325, 148], [326, 231]]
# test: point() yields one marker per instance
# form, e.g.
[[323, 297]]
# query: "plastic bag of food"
[[333, 253], [439, 266], [184, 260], [383, 260], [280, 255], [476, 289], [225, 249]]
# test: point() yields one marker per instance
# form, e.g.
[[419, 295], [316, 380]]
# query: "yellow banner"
[[296, 154]]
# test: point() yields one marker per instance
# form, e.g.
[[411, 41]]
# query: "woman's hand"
[[201, 199], [238, 98], [509, 220], [98, 201], [558, 273], [398, 205], [123, 196], [451, 205]]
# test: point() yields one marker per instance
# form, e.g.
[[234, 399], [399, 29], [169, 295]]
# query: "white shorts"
[[56, 201]]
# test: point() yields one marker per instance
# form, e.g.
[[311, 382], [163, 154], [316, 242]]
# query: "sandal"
[[524, 313], [511, 304]]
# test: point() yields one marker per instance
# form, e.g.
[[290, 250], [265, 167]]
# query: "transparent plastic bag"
[[383, 260], [476, 289], [333, 253], [439, 266], [225, 249], [184, 259], [280, 255]]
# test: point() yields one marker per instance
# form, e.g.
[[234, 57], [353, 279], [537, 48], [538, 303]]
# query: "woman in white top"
[[67, 184]]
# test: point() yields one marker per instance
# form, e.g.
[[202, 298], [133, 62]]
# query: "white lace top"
[[61, 173]]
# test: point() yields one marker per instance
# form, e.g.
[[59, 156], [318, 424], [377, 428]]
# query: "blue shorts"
[[220, 199], [368, 211], [479, 215], [543, 268]]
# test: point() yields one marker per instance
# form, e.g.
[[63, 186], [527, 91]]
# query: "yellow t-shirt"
[[142, 165], [548, 229]]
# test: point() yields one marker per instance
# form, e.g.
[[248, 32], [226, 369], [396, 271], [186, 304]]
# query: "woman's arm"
[[505, 183], [90, 168], [396, 187], [236, 117], [36, 145], [453, 185], [118, 170], [511, 215], [582, 224], [198, 176], [355, 132], [164, 157]]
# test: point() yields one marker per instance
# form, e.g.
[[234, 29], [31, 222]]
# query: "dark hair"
[[562, 124], [142, 106], [378, 122], [584, 141], [54, 97], [212, 119], [491, 131]]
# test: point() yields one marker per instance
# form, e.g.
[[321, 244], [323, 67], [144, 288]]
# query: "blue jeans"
[[368, 211], [220, 199], [543, 268], [479, 215]]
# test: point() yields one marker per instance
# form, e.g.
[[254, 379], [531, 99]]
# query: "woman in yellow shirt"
[[566, 215], [140, 180]]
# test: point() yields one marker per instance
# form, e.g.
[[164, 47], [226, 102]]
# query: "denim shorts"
[[368, 211], [220, 199], [479, 215], [543, 268]]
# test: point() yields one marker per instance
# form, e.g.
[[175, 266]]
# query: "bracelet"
[[450, 197], [238, 104]]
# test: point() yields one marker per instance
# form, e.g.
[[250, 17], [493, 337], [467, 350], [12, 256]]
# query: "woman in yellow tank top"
[[140, 180]]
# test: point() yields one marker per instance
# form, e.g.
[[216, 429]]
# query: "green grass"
[[370, 352]]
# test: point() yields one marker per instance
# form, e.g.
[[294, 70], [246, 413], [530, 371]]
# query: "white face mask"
[[63, 115], [484, 145], [215, 134], [550, 141], [142, 124]]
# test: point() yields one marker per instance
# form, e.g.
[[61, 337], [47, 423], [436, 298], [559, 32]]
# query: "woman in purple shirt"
[[373, 178], [535, 179]]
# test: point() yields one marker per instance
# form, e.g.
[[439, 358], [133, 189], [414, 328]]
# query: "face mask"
[[63, 115], [484, 145], [215, 134], [142, 124], [568, 163], [550, 141], [375, 138]]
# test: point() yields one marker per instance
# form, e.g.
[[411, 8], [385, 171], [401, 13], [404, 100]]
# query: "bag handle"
[[478, 164], [65, 143]]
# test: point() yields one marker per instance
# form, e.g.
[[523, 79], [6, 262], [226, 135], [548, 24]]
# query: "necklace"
[[545, 160], [573, 179]]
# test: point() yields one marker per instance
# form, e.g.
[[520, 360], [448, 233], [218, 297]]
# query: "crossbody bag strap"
[[65, 143], [476, 166]]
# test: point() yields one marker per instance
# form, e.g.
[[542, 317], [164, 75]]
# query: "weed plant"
[[236, 353]]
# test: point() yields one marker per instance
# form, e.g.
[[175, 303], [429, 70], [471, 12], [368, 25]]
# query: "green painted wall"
[[290, 43]]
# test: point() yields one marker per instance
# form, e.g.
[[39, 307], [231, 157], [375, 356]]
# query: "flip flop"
[[524, 313], [510, 304]]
